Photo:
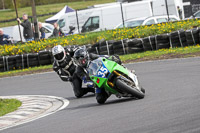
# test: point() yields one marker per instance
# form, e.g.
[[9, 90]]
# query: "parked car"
[[48, 29], [195, 15], [147, 21]]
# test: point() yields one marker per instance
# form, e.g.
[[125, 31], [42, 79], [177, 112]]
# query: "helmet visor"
[[82, 61], [59, 56]]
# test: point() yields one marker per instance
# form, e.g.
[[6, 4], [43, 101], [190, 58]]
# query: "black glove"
[[70, 78], [66, 78], [115, 58], [56, 68]]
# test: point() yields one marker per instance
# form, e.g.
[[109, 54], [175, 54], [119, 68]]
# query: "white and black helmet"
[[58, 53]]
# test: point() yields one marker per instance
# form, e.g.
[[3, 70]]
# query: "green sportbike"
[[115, 78]]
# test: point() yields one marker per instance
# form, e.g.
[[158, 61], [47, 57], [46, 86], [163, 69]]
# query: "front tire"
[[126, 88], [101, 97], [143, 90]]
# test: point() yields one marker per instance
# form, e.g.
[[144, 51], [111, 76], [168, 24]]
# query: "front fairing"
[[98, 72], [100, 69]]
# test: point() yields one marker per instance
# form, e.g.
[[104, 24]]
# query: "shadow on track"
[[84, 97], [116, 101], [95, 104]]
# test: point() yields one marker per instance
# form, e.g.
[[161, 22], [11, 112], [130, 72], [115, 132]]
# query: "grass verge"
[[8, 105], [26, 71], [183, 52]]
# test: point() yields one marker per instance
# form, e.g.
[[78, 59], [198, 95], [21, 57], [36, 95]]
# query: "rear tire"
[[126, 88]]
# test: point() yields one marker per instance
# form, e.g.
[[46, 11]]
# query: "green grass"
[[190, 51], [164, 53], [26, 71], [8, 105], [44, 9]]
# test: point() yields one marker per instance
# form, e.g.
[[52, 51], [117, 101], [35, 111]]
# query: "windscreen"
[[94, 66]]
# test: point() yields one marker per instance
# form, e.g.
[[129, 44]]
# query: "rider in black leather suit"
[[65, 68], [63, 62]]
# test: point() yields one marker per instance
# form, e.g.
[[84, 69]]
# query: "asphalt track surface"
[[171, 105]]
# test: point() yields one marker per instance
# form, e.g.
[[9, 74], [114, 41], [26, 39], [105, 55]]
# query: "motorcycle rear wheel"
[[120, 84]]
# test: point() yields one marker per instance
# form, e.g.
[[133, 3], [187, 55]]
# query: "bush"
[[93, 38]]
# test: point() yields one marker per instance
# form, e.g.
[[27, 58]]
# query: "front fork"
[[110, 83]]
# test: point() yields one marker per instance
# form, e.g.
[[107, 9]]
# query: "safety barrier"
[[174, 39], [23, 61]]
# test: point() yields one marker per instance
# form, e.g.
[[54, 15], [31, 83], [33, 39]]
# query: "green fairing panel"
[[101, 81], [111, 66]]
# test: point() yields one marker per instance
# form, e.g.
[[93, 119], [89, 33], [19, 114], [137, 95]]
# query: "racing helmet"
[[81, 57], [59, 53]]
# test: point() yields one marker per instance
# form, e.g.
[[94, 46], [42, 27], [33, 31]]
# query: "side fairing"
[[102, 75]]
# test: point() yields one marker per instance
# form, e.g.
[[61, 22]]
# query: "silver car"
[[195, 15], [147, 21]]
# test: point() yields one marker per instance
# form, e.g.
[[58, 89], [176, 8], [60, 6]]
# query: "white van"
[[109, 17], [70, 20]]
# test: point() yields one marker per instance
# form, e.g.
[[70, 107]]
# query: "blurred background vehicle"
[[13, 32], [147, 21], [195, 15], [108, 17]]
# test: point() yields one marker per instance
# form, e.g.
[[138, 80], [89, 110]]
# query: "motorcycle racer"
[[65, 68], [63, 63], [82, 59]]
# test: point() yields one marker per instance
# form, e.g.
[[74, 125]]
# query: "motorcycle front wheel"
[[120, 84]]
